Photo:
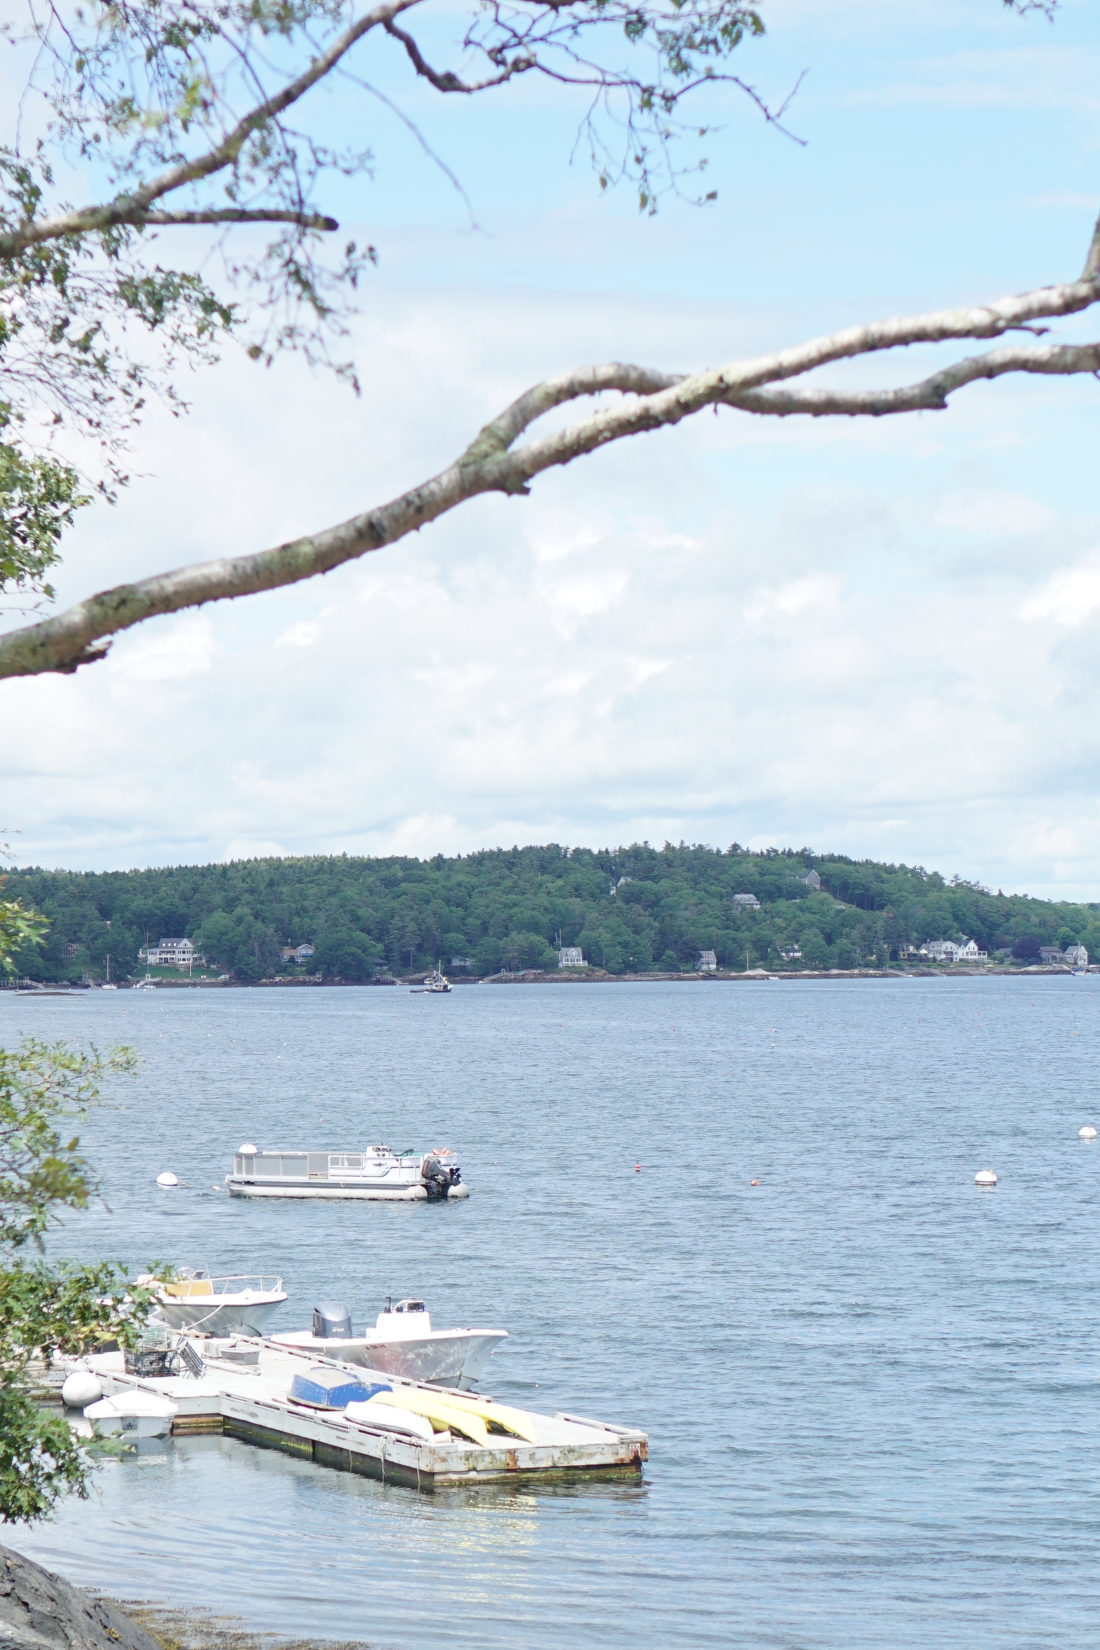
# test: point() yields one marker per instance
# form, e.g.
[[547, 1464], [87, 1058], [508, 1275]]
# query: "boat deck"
[[249, 1401]]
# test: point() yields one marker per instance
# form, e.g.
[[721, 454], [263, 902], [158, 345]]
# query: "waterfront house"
[[70, 951], [968, 952], [460, 965], [171, 953], [1077, 956], [706, 963], [748, 902], [571, 956], [1052, 956], [791, 953], [942, 950], [297, 953]]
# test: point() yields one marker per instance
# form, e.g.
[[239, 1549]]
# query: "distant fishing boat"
[[377, 1174], [436, 982]]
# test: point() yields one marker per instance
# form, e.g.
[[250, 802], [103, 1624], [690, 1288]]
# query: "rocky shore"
[[40, 1611]]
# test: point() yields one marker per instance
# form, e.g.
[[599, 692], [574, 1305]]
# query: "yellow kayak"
[[513, 1420], [439, 1411]]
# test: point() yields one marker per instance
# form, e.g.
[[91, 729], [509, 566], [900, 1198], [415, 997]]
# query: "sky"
[[876, 638]]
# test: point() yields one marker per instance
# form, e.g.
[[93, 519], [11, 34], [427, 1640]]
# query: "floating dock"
[[249, 1400]]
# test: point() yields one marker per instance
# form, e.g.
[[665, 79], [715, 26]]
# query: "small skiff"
[[132, 1415]]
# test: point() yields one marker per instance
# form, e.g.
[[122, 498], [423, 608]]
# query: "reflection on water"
[[870, 1388]]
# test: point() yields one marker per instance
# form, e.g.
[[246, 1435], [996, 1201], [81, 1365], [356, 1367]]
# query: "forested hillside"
[[630, 909]]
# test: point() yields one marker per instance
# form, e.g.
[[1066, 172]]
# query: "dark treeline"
[[630, 909]]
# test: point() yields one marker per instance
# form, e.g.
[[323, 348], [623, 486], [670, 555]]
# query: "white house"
[[706, 963], [171, 954], [791, 953], [1077, 956], [749, 901], [812, 880], [968, 952], [942, 950], [571, 956]]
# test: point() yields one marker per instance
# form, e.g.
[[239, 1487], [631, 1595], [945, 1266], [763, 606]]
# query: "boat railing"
[[237, 1283]]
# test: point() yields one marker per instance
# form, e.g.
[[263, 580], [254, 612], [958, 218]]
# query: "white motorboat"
[[402, 1342], [207, 1305], [435, 983], [132, 1415], [377, 1174]]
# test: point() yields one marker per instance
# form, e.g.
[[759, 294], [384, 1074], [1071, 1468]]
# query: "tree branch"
[[445, 81], [238, 214], [493, 463], [133, 207], [1091, 271]]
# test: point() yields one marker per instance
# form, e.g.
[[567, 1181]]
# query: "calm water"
[[873, 1391]]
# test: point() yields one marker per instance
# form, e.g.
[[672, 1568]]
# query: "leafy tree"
[[343, 954], [195, 115], [815, 951], [528, 950], [47, 1307]]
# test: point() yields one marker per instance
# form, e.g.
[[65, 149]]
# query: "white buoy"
[[985, 1177], [80, 1387], [248, 1150], [167, 1179], [1087, 1133]]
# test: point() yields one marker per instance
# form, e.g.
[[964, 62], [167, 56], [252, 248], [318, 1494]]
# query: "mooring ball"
[[80, 1387], [1087, 1133], [167, 1178], [249, 1150], [985, 1177]]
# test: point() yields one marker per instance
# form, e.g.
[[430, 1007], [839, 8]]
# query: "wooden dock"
[[249, 1401]]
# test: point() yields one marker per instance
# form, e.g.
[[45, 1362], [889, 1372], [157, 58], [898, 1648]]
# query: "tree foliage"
[[44, 1306], [632, 910], [196, 115]]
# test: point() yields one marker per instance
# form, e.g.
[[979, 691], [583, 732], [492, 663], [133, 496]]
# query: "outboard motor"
[[332, 1321], [435, 1175]]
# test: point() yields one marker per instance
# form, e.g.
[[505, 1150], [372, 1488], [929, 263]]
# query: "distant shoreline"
[[597, 976]]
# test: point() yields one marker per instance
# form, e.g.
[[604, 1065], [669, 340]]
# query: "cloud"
[[1003, 514], [163, 654], [1069, 597], [788, 605], [871, 635]]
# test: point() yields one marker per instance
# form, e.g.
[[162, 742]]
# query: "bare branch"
[[444, 80], [931, 394], [1091, 271], [492, 462], [238, 214]]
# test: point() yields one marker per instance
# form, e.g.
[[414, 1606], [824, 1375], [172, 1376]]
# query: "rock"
[[40, 1611]]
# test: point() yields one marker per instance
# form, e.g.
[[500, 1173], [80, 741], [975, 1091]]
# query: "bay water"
[[872, 1390]]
